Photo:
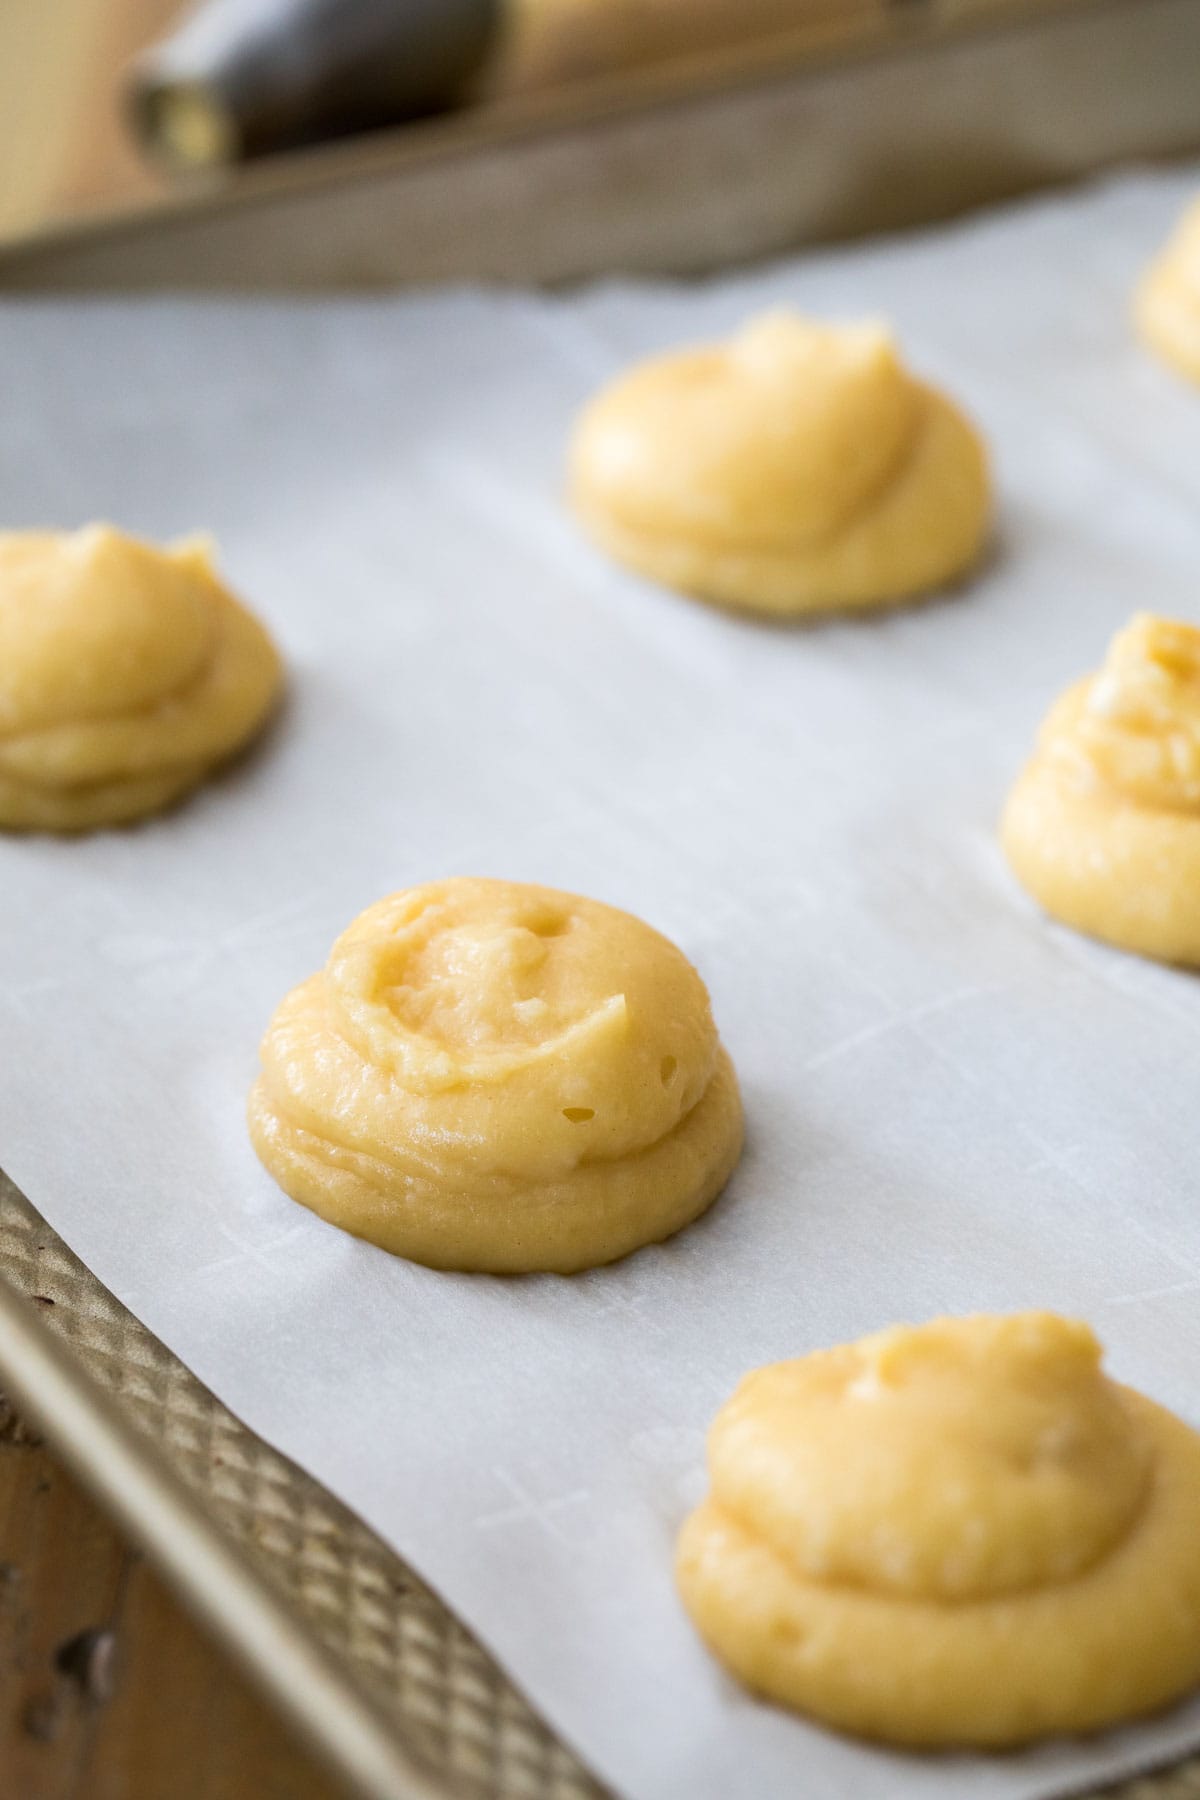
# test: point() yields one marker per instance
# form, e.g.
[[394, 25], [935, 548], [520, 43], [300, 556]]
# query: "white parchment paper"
[[952, 1104]]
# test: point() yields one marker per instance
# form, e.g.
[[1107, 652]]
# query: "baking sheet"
[[952, 1104]]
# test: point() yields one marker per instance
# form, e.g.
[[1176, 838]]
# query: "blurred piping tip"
[[184, 124], [245, 78]]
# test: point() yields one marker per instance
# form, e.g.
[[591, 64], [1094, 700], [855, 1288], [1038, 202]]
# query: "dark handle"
[[242, 78]]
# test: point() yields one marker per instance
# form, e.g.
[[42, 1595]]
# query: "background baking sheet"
[[952, 1104]]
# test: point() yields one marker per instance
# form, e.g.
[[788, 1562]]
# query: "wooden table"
[[65, 149], [107, 1690]]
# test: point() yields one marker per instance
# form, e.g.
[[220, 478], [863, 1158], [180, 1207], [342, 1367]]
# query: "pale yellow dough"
[[1167, 304], [488, 1075], [1103, 825], [798, 468], [960, 1533], [126, 674]]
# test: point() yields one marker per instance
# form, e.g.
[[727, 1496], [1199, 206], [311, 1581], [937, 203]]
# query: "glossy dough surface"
[[961, 1533], [798, 468], [126, 674], [1167, 306], [488, 1075], [1103, 825]]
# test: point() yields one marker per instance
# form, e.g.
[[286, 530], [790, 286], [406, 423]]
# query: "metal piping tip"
[[245, 78], [184, 125]]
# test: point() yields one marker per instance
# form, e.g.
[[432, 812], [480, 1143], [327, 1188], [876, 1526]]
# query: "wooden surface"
[[65, 149], [63, 145], [100, 162], [552, 42], [107, 1691]]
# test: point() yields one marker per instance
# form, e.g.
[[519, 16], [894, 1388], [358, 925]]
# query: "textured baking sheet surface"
[[447, 1697], [952, 1104], [449, 1700]]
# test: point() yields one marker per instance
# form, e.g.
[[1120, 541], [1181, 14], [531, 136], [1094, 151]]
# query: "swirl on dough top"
[[1136, 724], [490, 1012], [798, 466], [779, 439], [126, 673], [494, 1075], [1039, 1466], [1167, 303], [956, 1533], [1103, 824]]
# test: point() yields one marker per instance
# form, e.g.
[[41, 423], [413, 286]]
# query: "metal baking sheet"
[[919, 110], [390, 1690], [24, 1348]]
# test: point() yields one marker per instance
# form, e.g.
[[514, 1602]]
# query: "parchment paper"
[[952, 1103]]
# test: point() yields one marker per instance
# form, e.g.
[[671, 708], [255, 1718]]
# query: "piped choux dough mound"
[[797, 468], [493, 1076], [959, 1533], [1103, 825], [127, 673], [1167, 303]]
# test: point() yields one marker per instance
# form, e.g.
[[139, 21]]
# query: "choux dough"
[[1103, 825], [1167, 304], [959, 1533], [126, 674], [798, 468], [488, 1075]]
